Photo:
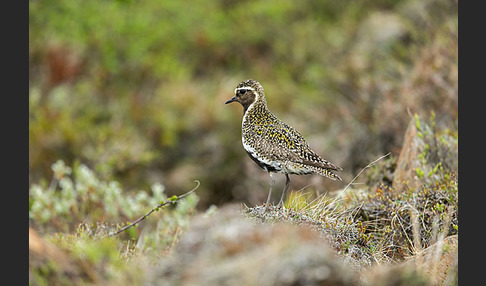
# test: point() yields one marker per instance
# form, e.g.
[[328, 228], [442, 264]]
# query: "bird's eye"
[[241, 91]]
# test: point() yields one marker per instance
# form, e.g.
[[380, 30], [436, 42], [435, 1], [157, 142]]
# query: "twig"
[[172, 200]]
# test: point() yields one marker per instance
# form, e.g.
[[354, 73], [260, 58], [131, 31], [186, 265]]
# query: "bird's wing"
[[279, 143], [298, 150]]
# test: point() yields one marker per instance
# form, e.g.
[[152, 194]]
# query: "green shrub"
[[76, 195]]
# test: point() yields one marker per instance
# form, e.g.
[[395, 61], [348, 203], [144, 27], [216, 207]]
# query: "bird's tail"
[[328, 173]]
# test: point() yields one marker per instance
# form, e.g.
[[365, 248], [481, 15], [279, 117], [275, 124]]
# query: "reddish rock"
[[407, 163]]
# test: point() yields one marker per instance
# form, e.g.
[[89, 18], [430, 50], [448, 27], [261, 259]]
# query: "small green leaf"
[[132, 233], [432, 118], [417, 122], [173, 198], [420, 173], [435, 169]]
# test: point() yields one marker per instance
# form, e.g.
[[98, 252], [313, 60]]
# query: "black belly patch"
[[266, 167]]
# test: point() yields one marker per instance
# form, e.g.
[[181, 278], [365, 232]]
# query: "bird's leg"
[[287, 183], [272, 183]]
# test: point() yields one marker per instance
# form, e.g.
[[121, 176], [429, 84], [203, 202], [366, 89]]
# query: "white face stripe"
[[254, 92], [257, 96], [244, 87]]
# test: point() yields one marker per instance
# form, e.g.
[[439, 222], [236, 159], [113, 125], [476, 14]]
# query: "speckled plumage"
[[272, 144]]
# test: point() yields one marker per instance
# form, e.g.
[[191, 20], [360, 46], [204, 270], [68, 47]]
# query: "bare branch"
[[172, 200]]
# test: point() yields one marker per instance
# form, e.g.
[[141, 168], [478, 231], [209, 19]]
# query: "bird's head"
[[247, 92]]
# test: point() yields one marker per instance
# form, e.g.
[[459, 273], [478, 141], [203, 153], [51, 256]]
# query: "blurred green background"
[[135, 90]]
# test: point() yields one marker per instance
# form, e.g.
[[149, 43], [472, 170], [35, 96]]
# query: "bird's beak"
[[230, 100]]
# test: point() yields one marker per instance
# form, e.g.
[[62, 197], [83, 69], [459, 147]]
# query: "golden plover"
[[275, 146]]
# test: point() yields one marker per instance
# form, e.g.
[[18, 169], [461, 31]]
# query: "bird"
[[274, 145]]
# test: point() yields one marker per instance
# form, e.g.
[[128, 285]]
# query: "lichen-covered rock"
[[338, 232], [229, 249]]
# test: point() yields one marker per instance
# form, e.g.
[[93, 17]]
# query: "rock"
[[229, 249], [426, 155], [408, 162], [356, 252]]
